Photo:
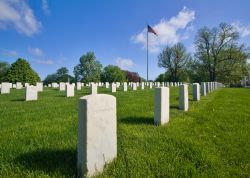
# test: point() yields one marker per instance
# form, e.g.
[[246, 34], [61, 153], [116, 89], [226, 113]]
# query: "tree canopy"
[[174, 60], [112, 73], [89, 69], [4, 67], [21, 71]]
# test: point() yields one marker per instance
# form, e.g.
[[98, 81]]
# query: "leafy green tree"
[[112, 74], [62, 74], [21, 71], [218, 52], [174, 60], [89, 69], [4, 67], [50, 79], [161, 78]]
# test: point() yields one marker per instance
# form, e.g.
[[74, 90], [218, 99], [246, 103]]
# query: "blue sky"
[[54, 33]]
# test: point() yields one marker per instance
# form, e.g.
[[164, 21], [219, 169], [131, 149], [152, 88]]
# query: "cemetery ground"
[[39, 138]]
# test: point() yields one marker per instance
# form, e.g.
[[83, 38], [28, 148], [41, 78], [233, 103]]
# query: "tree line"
[[218, 56]]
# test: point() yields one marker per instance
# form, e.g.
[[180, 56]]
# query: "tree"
[[21, 71], [89, 69], [4, 67], [161, 78], [112, 74], [62, 74], [132, 76], [174, 60], [217, 48]]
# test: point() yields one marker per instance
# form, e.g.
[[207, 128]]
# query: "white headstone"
[[31, 93], [62, 86], [70, 90], [142, 85], [183, 97], [5, 89], [93, 89], [39, 86], [113, 87], [196, 91], [134, 86], [150, 85], [19, 85], [125, 86], [55, 85], [49, 85], [203, 89], [78, 86], [26, 84], [97, 133], [161, 108], [107, 84]]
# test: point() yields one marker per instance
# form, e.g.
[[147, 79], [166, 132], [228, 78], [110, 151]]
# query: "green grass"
[[212, 139]]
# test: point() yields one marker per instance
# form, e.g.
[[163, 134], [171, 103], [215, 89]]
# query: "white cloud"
[[47, 62], [9, 53], [17, 14], [124, 63], [244, 31], [169, 31], [45, 7], [35, 51]]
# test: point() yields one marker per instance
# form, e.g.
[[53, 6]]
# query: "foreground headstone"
[[183, 97], [203, 89], [196, 91], [70, 90], [31, 93], [97, 135], [5, 88], [161, 108]]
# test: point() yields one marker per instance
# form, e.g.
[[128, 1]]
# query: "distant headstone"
[[62, 86], [78, 86], [161, 108], [19, 85], [183, 97], [142, 85], [113, 87], [5, 88], [39, 86], [134, 86], [97, 133], [125, 86], [55, 85], [196, 91], [31, 93], [203, 89], [26, 84], [150, 85], [107, 84], [93, 89], [70, 90]]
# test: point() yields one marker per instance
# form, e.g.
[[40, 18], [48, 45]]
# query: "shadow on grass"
[[137, 120], [19, 99], [50, 161], [174, 107]]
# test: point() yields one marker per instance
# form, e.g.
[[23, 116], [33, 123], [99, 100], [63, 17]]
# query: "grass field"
[[212, 139]]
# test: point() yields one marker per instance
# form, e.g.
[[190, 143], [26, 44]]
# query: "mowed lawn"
[[212, 139]]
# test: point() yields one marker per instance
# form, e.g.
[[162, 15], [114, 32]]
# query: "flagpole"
[[147, 55]]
